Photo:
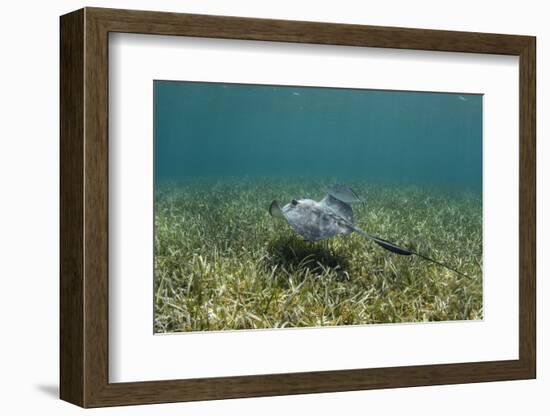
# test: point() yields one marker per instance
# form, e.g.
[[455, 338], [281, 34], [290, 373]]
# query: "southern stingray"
[[332, 216]]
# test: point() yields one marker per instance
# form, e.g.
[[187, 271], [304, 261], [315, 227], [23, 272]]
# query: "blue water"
[[237, 130]]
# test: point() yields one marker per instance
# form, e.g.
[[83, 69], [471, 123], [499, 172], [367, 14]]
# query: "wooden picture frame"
[[84, 207]]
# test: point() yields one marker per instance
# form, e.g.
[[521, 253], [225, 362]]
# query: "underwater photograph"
[[289, 206]]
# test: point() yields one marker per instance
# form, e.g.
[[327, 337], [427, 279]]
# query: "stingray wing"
[[344, 193], [312, 220], [275, 211], [338, 207]]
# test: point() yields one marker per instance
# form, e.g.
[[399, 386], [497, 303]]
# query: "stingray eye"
[[294, 202]]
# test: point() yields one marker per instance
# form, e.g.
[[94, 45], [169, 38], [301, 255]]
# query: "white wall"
[[29, 205]]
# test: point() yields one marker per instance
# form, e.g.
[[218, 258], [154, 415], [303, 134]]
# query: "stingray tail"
[[442, 265], [386, 244], [403, 251]]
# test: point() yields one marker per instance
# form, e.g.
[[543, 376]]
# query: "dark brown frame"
[[84, 208]]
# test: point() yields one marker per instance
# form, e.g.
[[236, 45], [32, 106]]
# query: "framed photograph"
[[254, 207]]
